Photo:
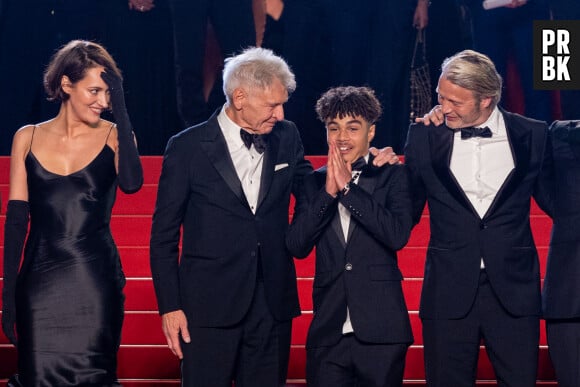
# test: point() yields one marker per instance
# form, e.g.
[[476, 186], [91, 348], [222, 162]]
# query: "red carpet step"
[[145, 361]]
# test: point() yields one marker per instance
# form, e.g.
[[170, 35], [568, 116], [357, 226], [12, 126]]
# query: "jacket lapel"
[[441, 145], [337, 227], [268, 164], [519, 141], [367, 181], [214, 145], [335, 223]]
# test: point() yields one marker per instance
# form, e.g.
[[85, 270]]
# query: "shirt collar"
[[366, 157], [494, 122], [230, 129]]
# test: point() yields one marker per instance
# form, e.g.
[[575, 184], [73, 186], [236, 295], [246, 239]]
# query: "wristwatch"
[[346, 188]]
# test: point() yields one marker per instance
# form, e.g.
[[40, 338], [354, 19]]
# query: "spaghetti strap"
[[108, 134], [32, 137]]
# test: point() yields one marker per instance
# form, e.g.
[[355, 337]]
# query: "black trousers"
[[352, 362], [253, 352], [564, 348], [452, 346]]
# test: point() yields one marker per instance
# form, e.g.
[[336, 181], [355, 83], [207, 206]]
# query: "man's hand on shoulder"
[[172, 324], [435, 117], [384, 156]]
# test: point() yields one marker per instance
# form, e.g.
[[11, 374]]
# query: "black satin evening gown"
[[70, 287]]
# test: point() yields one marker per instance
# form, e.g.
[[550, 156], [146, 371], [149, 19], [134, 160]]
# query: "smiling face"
[[258, 110], [460, 107], [89, 97], [352, 136]]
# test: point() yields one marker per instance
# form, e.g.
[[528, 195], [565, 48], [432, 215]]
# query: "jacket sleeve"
[[388, 218], [313, 211], [416, 185], [172, 197]]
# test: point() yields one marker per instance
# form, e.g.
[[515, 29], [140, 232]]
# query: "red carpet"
[[144, 359]]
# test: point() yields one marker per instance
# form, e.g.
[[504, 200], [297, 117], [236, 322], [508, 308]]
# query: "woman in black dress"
[[64, 308]]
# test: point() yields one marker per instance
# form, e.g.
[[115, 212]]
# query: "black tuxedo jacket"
[[363, 273], [200, 193], [460, 237], [561, 295]]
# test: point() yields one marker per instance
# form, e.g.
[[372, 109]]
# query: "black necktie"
[[475, 132], [359, 164], [258, 140]]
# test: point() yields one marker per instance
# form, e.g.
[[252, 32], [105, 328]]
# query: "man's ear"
[[238, 97], [485, 103], [371, 133]]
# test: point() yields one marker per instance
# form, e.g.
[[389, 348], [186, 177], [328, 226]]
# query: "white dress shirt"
[[481, 165], [247, 162], [345, 223]]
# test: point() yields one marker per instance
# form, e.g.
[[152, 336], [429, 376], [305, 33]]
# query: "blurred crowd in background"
[[171, 53]]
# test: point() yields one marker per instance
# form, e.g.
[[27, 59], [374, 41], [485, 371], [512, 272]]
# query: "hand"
[[331, 187], [516, 3], [141, 5], [172, 324], [435, 117], [9, 317], [421, 16], [384, 156], [340, 170], [117, 95], [129, 168]]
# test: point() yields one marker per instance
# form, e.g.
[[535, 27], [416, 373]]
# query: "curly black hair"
[[349, 101]]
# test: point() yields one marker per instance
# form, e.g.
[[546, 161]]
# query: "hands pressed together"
[[339, 172]]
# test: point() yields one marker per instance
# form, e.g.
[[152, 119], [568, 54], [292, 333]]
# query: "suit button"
[[483, 225], [348, 267]]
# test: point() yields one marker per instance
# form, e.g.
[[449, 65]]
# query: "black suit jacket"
[[199, 191], [460, 238], [561, 295], [363, 273]]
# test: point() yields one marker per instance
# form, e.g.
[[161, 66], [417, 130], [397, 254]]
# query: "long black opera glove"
[[15, 230], [130, 169]]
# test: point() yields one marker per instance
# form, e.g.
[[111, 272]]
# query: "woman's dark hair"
[[73, 60]]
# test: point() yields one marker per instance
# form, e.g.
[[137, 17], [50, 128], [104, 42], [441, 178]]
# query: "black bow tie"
[[258, 140], [359, 164], [475, 132]]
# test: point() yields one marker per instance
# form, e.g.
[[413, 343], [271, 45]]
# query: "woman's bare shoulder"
[[23, 135]]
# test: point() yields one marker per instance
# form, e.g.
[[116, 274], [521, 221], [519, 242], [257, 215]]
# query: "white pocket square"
[[280, 166]]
